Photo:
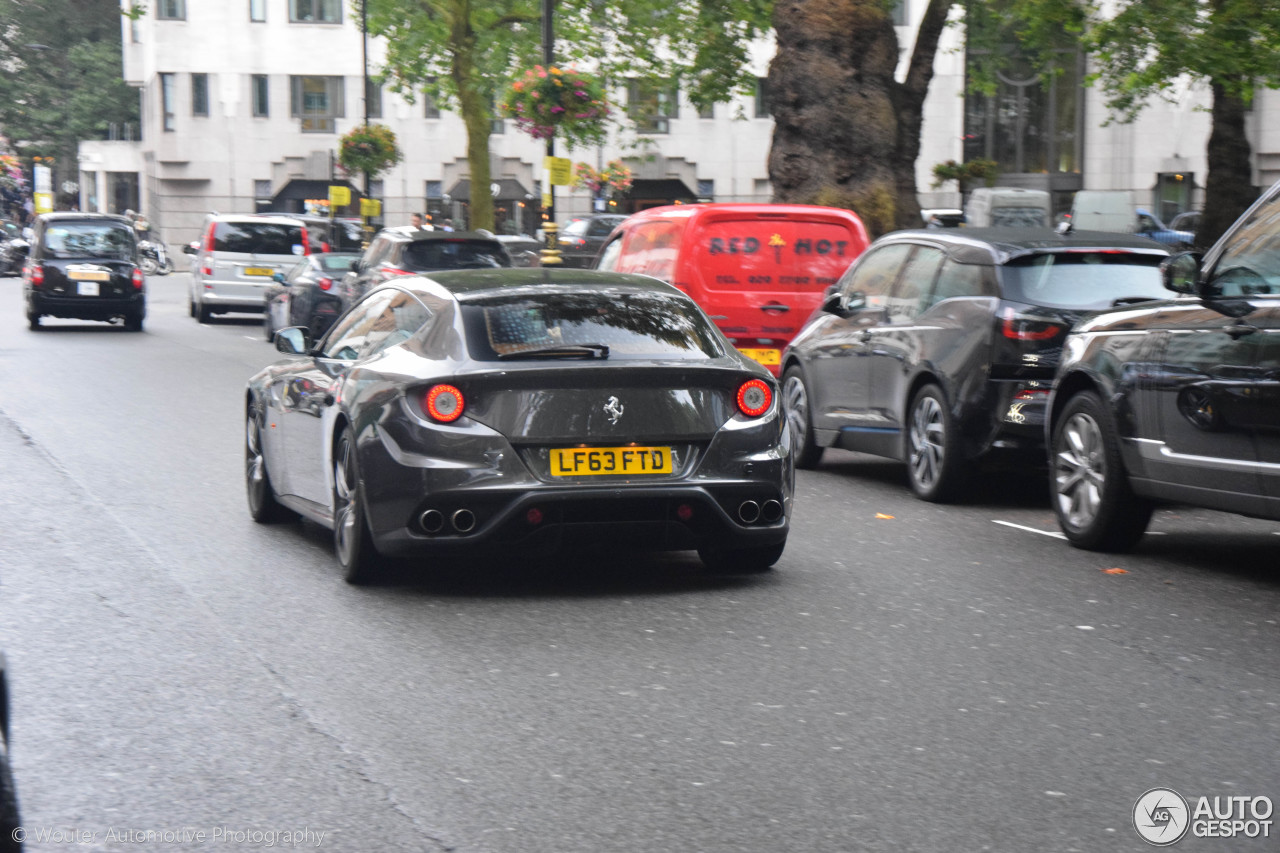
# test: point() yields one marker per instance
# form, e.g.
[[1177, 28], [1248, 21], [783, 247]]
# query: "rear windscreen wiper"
[[562, 351]]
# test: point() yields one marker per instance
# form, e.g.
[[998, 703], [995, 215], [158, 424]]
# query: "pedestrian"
[[447, 226], [416, 220]]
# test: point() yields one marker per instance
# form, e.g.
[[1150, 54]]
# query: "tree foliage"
[[61, 76], [465, 53]]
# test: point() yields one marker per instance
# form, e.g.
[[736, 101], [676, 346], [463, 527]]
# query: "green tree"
[[61, 77], [1233, 45], [464, 53]]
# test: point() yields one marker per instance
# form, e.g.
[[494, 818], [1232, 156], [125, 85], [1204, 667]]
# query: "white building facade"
[[244, 103]]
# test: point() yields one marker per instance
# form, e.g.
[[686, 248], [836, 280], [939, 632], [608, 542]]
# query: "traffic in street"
[[909, 676]]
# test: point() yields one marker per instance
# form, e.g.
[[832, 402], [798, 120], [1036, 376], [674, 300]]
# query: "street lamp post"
[[551, 253]]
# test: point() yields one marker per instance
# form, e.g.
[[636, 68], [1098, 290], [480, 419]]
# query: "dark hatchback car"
[[405, 250], [580, 239], [84, 266], [938, 347], [312, 294], [1177, 401], [522, 411]]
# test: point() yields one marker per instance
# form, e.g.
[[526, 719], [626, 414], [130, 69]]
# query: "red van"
[[758, 270]]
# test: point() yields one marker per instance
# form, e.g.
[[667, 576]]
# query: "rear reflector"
[[754, 398]]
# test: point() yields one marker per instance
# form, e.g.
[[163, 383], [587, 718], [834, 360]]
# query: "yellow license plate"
[[89, 275], [767, 357], [584, 461], [259, 271]]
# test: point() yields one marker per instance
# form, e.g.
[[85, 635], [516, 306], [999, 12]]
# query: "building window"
[[262, 190], [372, 99], [651, 105], [200, 94], [316, 11], [430, 106], [257, 10], [496, 124], [171, 10], [135, 31], [167, 100], [706, 190], [261, 108], [318, 101], [762, 98]]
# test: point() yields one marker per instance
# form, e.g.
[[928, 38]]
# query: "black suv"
[[84, 266], [939, 346], [1177, 401], [405, 250], [580, 239]]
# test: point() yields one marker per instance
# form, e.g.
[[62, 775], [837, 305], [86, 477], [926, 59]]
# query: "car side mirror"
[[355, 265], [293, 340], [191, 249], [831, 302], [1181, 272], [278, 276]]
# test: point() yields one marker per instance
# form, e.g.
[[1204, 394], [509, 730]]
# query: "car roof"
[[1001, 245], [419, 235], [466, 285], [271, 218], [71, 215]]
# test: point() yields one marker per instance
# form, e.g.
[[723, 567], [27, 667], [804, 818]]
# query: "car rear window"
[[1087, 281], [633, 325], [336, 262], [258, 238], [775, 255], [426, 255], [88, 240]]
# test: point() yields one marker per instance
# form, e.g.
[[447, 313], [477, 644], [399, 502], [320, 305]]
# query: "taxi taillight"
[[443, 403], [138, 278], [35, 274], [754, 398]]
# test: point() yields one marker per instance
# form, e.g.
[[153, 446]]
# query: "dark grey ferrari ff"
[[522, 411]]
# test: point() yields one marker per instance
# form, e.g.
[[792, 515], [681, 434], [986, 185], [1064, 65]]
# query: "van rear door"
[[760, 275]]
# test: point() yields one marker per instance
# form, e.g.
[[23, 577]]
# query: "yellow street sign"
[[43, 202], [560, 169], [370, 207], [339, 196]]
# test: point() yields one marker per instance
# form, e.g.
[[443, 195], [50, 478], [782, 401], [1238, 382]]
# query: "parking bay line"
[[1052, 533]]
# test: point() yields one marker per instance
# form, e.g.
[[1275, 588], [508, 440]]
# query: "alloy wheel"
[[928, 437], [346, 511], [1079, 471], [795, 401]]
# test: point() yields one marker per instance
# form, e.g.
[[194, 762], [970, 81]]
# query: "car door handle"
[[1239, 330], [775, 306]]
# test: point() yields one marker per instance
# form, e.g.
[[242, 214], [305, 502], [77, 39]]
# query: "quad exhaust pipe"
[[432, 521], [750, 512], [771, 511], [463, 520]]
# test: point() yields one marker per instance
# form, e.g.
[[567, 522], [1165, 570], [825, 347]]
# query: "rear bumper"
[[249, 298], [85, 307]]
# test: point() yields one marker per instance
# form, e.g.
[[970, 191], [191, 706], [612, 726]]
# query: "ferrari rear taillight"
[[1020, 327], [754, 398], [325, 284], [137, 278], [443, 403]]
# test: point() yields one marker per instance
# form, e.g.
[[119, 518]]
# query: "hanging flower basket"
[[613, 179], [563, 102], [369, 148]]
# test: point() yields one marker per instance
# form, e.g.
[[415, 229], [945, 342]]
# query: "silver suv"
[[237, 255]]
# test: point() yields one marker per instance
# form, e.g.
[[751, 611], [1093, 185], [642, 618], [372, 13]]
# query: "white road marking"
[[1052, 533]]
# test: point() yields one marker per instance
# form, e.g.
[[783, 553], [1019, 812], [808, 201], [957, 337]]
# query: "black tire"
[[263, 505], [1096, 508], [33, 322], [133, 322], [9, 819], [936, 467], [741, 561], [352, 541], [203, 313], [191, 306], [268, 330], [795, 403]]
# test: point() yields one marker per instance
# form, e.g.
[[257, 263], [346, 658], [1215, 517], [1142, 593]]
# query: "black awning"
[[667, 189], [302, 188], [508, 189]]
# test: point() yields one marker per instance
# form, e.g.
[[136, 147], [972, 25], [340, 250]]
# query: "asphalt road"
[[911, 677]]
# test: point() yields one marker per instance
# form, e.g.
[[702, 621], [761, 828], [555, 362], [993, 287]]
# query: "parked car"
[[522, 411], [942, 217], [580, 239], [340, 234], [1188, 220], [405, 250], [84, 266], [1177, 401], [1104, 210], [9, 820], [312, 294], [758, 270], [13, 248], [1149, 225], [235, 260], [938, 347], [523, 249]]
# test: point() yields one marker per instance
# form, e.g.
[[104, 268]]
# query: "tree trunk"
[[1228, 189], [479, 123], [846, 134]]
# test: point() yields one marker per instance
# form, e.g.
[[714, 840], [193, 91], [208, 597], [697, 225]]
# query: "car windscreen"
[[610, 323], [1083, 280], [88, 240], [431, 255], [258, 238]]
